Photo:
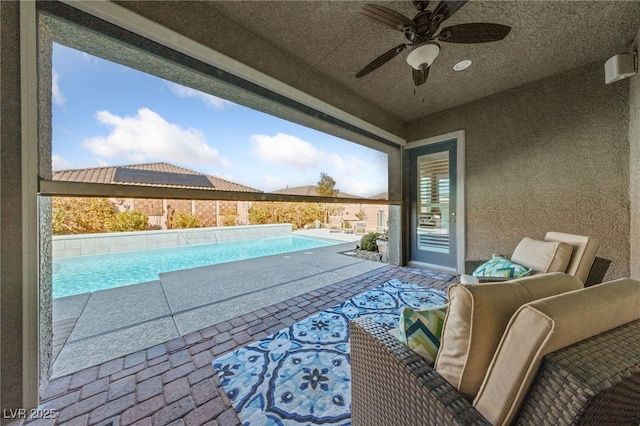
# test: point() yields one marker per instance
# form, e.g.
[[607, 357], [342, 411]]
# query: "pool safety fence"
[[86, 244]]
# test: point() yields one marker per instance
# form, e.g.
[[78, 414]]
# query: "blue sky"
[[105, 114]]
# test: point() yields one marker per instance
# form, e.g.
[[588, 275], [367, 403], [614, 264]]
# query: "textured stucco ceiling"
[[317, 47], [547, 37]]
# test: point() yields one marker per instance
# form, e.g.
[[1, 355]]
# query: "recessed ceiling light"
[[462, 65]]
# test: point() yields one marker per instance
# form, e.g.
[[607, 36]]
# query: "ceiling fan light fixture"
[[423, 55], [462, 65]]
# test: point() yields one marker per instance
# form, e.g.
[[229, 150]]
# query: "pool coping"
[[118, 242]]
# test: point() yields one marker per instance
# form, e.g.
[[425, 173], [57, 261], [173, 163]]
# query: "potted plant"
[[382, 242]]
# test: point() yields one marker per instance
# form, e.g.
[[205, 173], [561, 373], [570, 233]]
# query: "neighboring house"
[[377, 215], [160, 211]]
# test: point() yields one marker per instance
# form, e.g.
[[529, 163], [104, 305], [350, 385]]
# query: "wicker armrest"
[[392, 385], [593, 382]]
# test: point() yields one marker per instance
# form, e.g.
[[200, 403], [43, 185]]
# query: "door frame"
[[460, 199]]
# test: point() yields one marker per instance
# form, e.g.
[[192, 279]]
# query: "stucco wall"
[[11, 341], [634, 170], [550, 155]]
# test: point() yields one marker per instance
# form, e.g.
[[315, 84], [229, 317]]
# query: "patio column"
[[634, 171], [394, 248], [18, 210]]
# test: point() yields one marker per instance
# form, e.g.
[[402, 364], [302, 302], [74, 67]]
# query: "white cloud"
[[359, 177], [99, 162], [286, 149], [225, 176], [56, 93], [242, 180], [59, 163], [272, 183], [89, 59], [149, 137], [209, 100], [362, 188], [363, 176]]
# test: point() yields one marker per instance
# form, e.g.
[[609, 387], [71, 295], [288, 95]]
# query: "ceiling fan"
[[423, 35]]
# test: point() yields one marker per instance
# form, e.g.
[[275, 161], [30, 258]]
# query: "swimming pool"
[[83, 274]]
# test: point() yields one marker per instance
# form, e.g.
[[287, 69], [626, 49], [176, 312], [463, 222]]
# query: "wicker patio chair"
[[593, 382], [596, 273], [583, 263]]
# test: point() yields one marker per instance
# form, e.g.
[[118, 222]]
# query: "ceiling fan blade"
[[445, 9], [387, 17], [381, 60], [420, 76], [474, 33]]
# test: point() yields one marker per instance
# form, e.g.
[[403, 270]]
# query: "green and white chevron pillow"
[[501, 267], [421, 330]]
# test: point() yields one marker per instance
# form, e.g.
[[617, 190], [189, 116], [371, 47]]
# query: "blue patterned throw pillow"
[[501, 267], [421, 330]]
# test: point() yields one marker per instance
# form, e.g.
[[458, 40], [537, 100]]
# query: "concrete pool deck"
[[92, 328]]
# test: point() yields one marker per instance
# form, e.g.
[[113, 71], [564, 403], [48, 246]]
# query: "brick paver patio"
[[175, 383]]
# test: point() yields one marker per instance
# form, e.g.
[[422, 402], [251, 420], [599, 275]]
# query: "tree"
[[326, 186], [361, 215]]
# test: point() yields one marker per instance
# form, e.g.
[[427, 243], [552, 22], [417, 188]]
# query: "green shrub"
[[263, 212], [127, 221], [92, 215], [184, 220], [368, 242], [81, 215], [229, 220]]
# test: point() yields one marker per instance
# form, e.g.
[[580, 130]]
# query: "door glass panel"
[[433, 202]]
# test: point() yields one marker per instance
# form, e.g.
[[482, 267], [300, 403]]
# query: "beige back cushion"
[[544, 326], [542, 256], [477, 317], [584, 252]]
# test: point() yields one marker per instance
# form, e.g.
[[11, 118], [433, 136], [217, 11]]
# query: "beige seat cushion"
[[544, 326], [475, 322], [584, 252], [542, 256]]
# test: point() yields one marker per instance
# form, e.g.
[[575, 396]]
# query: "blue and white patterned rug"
[[302, 374]]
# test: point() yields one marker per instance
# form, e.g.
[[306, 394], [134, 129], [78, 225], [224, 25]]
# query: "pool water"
[[83, 274]]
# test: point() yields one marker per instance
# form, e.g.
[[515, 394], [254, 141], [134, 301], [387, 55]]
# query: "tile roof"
[[106, 175], [381, 196], [310, 190]]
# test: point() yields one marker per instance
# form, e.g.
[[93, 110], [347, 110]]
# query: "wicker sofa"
[[594, 380]]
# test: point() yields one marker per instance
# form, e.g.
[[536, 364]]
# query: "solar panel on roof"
[[160, 178]]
